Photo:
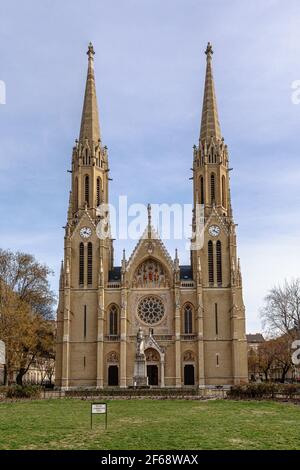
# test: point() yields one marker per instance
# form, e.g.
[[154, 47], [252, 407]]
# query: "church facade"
[[192, 317]]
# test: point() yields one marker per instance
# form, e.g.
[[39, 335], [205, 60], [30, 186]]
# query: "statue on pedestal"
[[140, 378]]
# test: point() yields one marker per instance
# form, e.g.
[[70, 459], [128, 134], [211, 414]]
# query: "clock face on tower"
[[85, 232], [214, 230]]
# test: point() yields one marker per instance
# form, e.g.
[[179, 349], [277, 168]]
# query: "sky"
[[150, 66]]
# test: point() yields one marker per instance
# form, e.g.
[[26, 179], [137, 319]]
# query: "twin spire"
[[90, 128], [210, 125]]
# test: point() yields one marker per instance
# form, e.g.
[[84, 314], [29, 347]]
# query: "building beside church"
[[192, 317]]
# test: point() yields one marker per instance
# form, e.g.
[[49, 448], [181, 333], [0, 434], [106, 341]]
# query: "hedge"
[[264, 390], [27, 391], [131, 392]]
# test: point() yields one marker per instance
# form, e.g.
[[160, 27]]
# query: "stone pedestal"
[[140, 378]]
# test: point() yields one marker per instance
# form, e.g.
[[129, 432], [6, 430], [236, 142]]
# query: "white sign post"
[[98, 409], [2, 352]]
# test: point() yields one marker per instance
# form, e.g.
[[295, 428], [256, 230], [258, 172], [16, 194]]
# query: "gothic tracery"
[[151, 310], [150, 274]]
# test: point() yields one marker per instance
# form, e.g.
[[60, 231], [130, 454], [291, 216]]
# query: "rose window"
[[151, 310]]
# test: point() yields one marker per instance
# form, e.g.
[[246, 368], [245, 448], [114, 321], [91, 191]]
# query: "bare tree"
[[35, 346], [28, 278], [283, 355], [266, 357], [281, 312], [26, 304], [253, 364]]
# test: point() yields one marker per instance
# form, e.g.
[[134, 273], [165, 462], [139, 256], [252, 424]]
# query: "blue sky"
[[150, 70]]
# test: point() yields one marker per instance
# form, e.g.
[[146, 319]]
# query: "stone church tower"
[[192, 317]]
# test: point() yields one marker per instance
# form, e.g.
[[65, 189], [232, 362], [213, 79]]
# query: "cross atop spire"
[[90, 128], [210, 126], [91, 51], [209, 50]]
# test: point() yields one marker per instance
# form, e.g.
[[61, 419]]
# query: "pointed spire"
[[90, 128], [210, 125], [149, 220]]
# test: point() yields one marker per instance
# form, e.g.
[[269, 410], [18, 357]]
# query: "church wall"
[[58, 363], [83, 349], [81, 298], [58, 346], [170, 364], [243, 360], [221, 297], [218, 373], [83, 372], [131, 350]]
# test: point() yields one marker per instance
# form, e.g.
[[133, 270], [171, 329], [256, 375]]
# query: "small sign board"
[[2, 352], [99, 409]]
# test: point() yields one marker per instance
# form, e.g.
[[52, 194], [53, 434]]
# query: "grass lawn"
[[147, 424]]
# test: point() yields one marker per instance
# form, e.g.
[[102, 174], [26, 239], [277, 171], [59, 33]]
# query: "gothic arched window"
[[212, 188], [219, 262], [81, 263], [210, 262], [201, 190], [87, 190], [188, 319], [113, 320], [223, 192], [90, 263], [98, 191]]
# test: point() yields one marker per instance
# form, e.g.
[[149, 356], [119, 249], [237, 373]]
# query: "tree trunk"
[[20, 375], [266, 376], [284, 372], [5, 378]]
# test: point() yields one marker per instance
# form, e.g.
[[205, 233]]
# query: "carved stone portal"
[[113, 357], [152, 355], [188, 356]]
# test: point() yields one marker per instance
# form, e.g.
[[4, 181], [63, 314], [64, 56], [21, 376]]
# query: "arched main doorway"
[[113, 375], [189, 374], [152, 373], [152, 362]]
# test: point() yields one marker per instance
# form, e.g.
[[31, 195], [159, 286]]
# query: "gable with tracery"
[[150, 274]]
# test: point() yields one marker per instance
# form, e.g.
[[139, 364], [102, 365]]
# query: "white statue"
[[140, 343]]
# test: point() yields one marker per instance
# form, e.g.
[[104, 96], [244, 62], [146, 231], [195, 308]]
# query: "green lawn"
[[147, 424]]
